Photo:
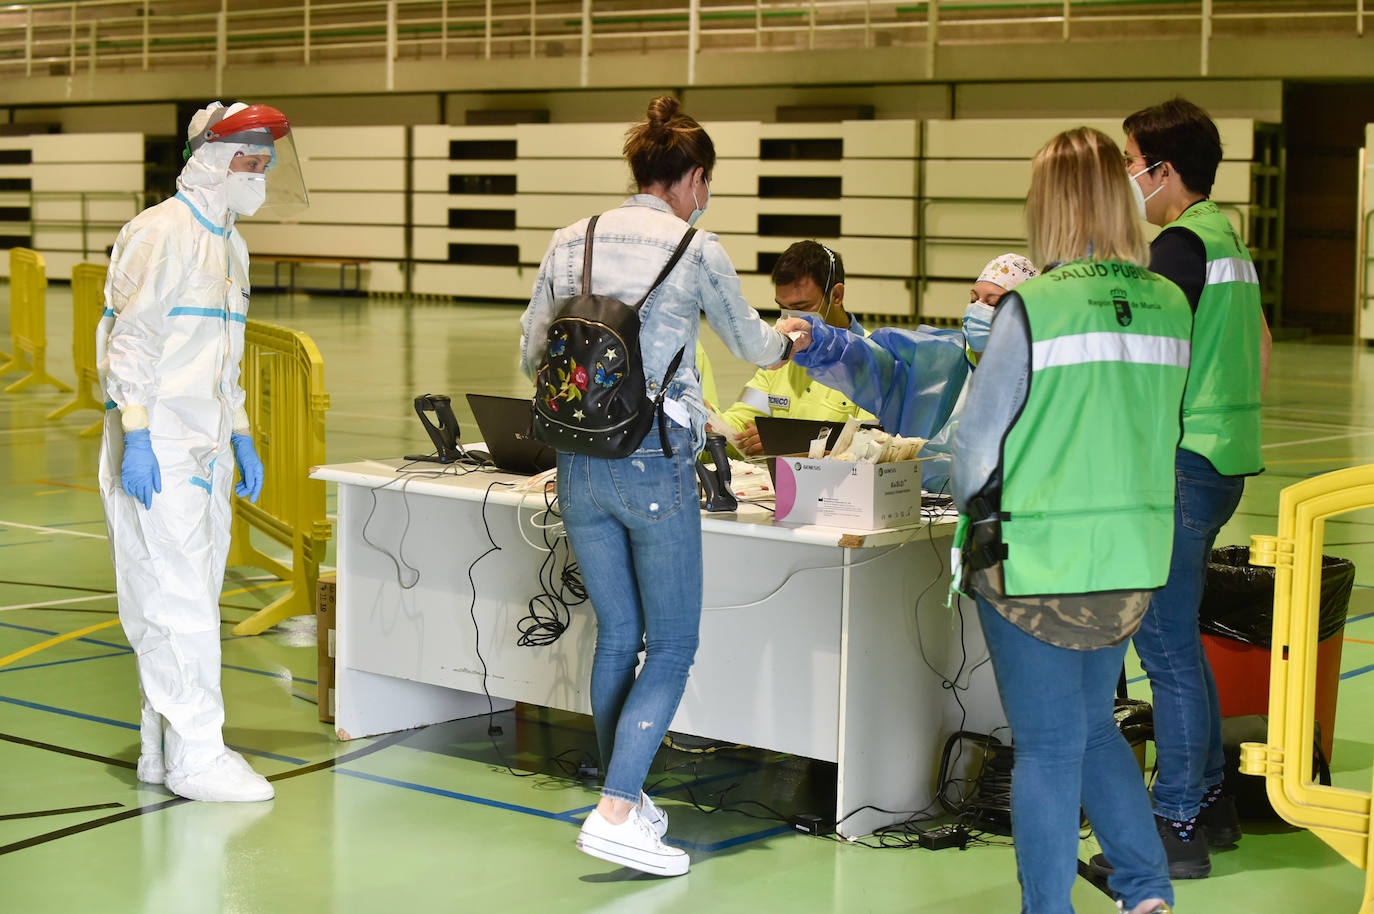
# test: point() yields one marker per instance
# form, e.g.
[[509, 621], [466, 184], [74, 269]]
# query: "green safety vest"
[[1221, 406], [1087, 500]]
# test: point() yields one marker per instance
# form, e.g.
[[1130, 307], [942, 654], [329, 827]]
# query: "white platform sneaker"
[[226, 779], [633, 843]]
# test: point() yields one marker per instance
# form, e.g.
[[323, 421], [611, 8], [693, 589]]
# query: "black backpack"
[[589, 395]]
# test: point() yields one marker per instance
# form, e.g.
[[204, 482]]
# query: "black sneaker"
[[1219, 822], [1188, 859]]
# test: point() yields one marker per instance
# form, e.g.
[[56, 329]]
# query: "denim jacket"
[[633, 242]]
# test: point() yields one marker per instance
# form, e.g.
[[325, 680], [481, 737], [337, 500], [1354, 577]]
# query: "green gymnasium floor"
[[431, 820]]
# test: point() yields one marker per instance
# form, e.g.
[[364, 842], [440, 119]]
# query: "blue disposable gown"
[[909, 379]]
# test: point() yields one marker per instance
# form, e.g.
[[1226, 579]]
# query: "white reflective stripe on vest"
[[757, 399], [1231, 269], [1080, 348]]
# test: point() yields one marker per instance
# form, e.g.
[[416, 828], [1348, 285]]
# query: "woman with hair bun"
[[634, 523]]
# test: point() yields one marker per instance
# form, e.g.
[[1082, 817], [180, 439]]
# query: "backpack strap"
[[587, 256], [662, 393], [668, 267]]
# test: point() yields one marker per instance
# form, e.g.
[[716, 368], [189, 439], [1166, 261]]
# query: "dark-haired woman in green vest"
[[1064, 477]]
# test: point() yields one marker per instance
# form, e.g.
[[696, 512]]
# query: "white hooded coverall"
[[169, 345]]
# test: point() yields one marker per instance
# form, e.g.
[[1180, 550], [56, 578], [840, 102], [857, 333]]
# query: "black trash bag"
[[1250, 792], [1238, 598]]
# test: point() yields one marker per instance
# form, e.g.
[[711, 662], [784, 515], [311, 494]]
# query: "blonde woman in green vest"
[[1063, 474], [1172, 154]]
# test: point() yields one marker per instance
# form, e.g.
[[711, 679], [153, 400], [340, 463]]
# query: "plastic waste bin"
[[1237, 621]]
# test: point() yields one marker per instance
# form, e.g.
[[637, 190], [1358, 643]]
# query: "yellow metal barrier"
[[29, 320], [88, 303], [1339, 816], [283, 375]]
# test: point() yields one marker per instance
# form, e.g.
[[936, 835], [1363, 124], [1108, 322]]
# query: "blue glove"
[[139, 469], [250, 467]]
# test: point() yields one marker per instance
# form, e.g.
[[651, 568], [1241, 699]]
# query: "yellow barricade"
[[1339, 816], [88, 304], [283, 376], [29, 320]]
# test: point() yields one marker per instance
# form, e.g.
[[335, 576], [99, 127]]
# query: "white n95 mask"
[[245, 191], [1139, 194], [977, 324]]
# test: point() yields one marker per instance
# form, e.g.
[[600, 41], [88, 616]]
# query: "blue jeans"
[[635, 528], [1187, 715], [1069, 752]]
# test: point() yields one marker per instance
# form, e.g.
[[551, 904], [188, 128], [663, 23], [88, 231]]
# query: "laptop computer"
[[505, 425], [794, 436]]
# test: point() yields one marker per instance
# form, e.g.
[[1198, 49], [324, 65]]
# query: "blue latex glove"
[[139, 470], [250, 467]]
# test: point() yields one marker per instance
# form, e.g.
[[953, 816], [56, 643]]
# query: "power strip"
[[937, 839]]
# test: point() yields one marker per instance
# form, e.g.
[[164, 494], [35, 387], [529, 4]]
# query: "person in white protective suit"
[[169, 347]]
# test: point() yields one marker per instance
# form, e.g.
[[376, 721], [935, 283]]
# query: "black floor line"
[[58, 812], [390, 740], [58, 586], [75, 753], [87, 826]]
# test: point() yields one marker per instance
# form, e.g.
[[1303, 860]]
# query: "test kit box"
[[843, 493]]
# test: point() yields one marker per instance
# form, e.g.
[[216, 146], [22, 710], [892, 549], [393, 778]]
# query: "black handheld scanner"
[[716, 483], [445, 435]]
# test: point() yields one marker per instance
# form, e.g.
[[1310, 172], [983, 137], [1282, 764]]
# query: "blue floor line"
[[292, 760], [1137, 679], [1359, 618], [27, 628], [733, 842], [556, 816], [124, 651], [465, 797], [1351, 674], [66, 713], [34, 666], [128, 726], [290, 677], [44, 631], [583, 810], [26, 543]]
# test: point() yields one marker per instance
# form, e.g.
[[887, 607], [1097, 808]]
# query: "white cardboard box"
[[842, 493]]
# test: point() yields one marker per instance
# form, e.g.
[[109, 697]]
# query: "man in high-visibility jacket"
[[808, 278], [1172, 153]]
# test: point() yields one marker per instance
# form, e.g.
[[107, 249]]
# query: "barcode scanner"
[[445, 434]]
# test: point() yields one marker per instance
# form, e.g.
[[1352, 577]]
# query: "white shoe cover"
[[227, 779], [151, 769]]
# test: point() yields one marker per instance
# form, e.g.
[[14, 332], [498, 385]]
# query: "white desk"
[[829, 666]]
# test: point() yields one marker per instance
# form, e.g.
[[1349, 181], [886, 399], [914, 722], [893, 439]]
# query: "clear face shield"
[[264, 131]]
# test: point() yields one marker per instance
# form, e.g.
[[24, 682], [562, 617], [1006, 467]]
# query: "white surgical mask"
[[977, 324], [245, 191], [823, 312], [701, 207], [1139, 194]]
